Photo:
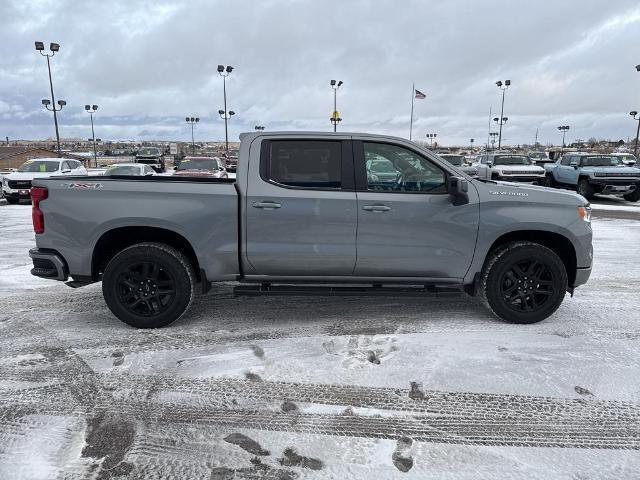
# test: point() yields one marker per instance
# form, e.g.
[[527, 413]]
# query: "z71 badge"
[[83, 186]]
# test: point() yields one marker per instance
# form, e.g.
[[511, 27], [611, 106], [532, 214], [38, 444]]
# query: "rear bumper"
[[48, 264]]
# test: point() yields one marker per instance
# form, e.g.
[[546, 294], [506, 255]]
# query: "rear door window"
[[305, 163]]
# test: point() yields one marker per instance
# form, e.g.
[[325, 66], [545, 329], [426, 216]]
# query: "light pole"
[[500, 121], [503, 87], [493, 139], [431, 136], [335, 116], [54, 47], [192, 121], [635, 116], [259, 128], [226, 116], [91, 109], [224, 73], [563, 129]]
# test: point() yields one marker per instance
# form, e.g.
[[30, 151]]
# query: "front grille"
[[16, 184], [522, 172], [616, 175]]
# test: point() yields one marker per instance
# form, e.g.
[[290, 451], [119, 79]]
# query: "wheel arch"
[[115, 240], [556, 242]]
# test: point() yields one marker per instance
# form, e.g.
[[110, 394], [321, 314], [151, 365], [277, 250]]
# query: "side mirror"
[[66, 170], [574, 164], [175, 168], [489, 163], [459, 188], [631, 163]]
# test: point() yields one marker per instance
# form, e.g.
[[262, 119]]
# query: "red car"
[[201, 167]]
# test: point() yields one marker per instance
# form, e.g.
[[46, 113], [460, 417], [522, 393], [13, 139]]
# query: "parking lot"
[[315, 387]]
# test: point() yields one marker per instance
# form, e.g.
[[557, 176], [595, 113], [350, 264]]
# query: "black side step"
[[325, 290]]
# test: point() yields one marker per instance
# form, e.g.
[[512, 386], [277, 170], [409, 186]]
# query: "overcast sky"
[[149, 64]]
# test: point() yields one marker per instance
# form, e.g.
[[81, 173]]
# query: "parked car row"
[[589, 174], [16, 185]]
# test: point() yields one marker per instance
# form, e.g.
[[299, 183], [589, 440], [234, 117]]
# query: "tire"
[[633, 196], [149, 267], [522, 261], [585, 188], [549, 181]]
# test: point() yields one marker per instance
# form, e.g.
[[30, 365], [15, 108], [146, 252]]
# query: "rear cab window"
[[313, 164]]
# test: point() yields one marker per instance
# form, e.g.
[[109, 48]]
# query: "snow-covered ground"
[[312, 387]]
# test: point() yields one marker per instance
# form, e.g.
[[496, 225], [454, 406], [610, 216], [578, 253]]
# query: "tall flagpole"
[[413, 94]]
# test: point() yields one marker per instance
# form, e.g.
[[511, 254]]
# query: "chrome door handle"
[[267, 205], [376, 208]]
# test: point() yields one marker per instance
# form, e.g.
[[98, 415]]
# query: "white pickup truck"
[[509, 167]]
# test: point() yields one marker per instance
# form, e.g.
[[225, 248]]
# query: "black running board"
[[314, 290]]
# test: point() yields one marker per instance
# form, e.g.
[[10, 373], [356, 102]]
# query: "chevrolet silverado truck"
[[151, 156], [304, 217], [591, 173]]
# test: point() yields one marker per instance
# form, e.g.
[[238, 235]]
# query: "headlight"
[[584, 212]]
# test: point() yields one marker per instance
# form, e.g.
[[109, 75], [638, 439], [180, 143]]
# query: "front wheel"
[[148, 285], [632, 196], [585, 188], [523, 282]]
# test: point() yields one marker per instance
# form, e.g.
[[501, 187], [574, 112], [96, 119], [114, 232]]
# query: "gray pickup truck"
[[304, 217]]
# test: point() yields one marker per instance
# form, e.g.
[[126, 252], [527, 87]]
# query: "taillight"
[[38, 194]]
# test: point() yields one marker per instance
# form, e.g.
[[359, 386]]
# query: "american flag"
[[419, 94]]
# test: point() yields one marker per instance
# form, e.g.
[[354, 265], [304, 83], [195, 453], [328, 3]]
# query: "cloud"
[[148, 64]]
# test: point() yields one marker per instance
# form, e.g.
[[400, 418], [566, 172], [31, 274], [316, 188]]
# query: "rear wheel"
[[523, 282], [633, 196], [148, 285], [585, 188]]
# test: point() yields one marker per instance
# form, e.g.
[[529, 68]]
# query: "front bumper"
[[21, 194], [519, 178], [582, 275], [613, 186], [48, 264]]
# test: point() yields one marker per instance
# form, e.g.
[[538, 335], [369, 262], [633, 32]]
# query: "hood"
[[528, 168], [28, 175], [621, 169]]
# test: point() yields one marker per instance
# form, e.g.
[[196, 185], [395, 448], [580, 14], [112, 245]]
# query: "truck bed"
[[80, 211]]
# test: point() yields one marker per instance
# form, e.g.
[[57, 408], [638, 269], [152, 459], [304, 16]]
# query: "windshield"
[[627, 156], [199, 164], [381, 165], [149, 151], [511, 160], [456, 160], [123, 170], [601, 161], [537, 155], [38, 166]]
